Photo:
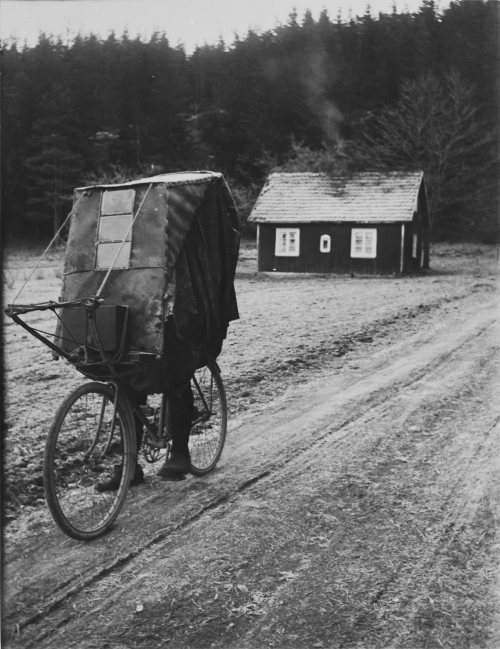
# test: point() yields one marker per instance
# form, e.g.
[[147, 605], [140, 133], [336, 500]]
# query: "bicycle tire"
[[208, 431], [88, 437]]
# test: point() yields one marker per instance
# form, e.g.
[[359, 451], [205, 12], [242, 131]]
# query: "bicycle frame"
[[156, 438]]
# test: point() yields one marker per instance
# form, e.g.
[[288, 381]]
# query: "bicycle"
[[94, 430]]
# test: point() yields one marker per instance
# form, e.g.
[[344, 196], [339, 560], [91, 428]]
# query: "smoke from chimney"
[[317, 75], [313, 74]]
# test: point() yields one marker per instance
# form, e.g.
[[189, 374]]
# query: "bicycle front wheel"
[[209, 425], [91, 439]]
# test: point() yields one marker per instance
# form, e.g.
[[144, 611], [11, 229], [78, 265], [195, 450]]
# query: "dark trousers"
[[180, 410]]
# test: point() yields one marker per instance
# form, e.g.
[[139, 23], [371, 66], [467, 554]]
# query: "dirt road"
[[357, 503]]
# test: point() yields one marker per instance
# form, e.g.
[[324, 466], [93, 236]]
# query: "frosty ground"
[[357, 501]]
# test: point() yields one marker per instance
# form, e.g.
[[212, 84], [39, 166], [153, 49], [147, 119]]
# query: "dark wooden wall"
[[311, 260]]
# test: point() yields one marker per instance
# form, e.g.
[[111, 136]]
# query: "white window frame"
[[113, 245], [364, 243], [287, 242], [325, 243]]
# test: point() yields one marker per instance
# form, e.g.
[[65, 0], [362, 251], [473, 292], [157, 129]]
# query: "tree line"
[[334, 94]]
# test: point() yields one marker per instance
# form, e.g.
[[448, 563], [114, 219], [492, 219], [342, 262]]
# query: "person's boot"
[[112, 483], [176, 466]]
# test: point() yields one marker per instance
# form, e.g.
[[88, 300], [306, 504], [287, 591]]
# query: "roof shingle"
[[314, 197]]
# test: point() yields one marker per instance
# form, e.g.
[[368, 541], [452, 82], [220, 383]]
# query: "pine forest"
[[399, 91]]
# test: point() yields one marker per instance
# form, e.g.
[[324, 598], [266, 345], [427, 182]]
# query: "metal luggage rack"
[[86, 354]]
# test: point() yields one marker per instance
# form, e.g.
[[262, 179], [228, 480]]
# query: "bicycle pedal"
[[147, 411]]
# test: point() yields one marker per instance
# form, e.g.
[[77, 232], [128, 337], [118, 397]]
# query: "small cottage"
[[363, 223]]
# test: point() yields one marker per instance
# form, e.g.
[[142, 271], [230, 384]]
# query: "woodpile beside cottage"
[[363, 223]]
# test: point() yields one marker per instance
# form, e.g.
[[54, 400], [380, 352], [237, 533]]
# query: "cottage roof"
[[316, 197]]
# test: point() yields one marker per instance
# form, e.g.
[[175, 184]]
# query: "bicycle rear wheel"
[[209, 426], [92, 434]]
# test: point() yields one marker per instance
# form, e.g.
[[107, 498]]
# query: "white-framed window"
[[364, 243], [325, 243], [114, 235], [287, 242]]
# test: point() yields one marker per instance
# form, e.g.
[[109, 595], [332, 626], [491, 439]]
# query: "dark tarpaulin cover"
[[179, 284]]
